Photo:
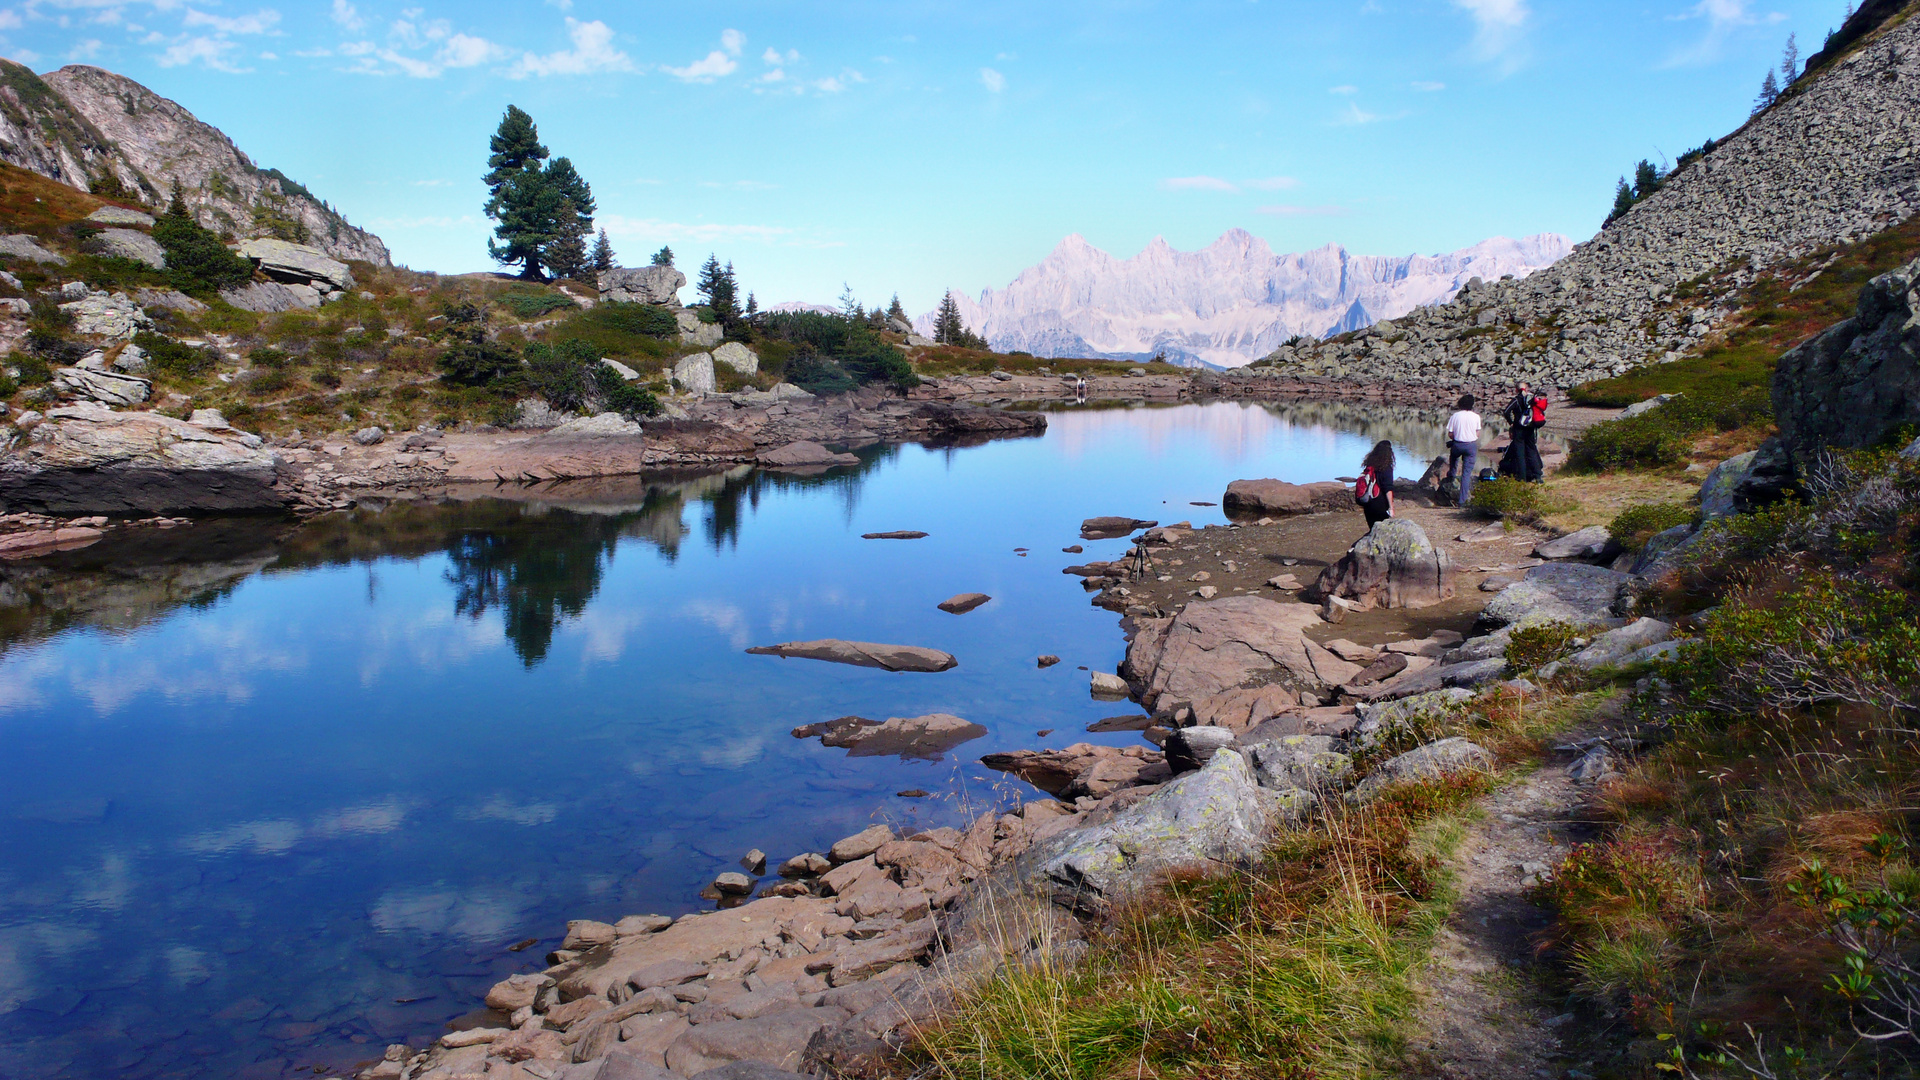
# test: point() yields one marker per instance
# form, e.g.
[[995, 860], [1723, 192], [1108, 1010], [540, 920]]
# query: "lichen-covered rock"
[[1393, 566], [1860, 377], [297, 264], [113, 316], [1215, 817], [106, 387], [1307, 762], [1718, 490], [1563, 592], [694, 373], [1431, 761], [132, 244], [597, 426], [737, 356], [1616, 645], [643, 285]]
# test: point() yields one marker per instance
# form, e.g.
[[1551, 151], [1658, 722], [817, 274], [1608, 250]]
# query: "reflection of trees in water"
[[740, 491], [535, 578]]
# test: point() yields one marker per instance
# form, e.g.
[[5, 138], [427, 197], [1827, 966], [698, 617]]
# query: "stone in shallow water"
[[963, 603], [928, 737], [863, 654]]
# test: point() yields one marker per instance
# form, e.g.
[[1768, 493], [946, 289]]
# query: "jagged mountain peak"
[[1225, 304]]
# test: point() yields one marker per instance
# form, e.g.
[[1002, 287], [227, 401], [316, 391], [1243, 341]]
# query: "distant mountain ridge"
[[1226, 304], [97, 131]]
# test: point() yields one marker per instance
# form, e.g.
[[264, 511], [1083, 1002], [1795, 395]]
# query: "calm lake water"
[[274, 796]]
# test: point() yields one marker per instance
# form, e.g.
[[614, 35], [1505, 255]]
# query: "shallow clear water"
[[275, 796]]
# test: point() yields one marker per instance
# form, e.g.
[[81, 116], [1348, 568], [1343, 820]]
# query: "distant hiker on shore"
[[1463, 445], [1374, 490], [1526, 414]]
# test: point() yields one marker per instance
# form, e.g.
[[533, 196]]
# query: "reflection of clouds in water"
[[22, 676], [187, 965], [606, 628], [109, 886], [733, 753], [277, 837], [463, 913], [728, 619], [429, 638], [217, 656], [24, 952], [500, 808]]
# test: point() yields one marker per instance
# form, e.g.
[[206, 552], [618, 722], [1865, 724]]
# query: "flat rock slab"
[[804, 454], [902, 534], [1112, 528], [1264, 497], [925, 737], [1591, 542], [963, 603], [862, 654]]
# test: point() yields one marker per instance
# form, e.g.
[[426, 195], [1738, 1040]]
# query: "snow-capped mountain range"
[[1227, 304]]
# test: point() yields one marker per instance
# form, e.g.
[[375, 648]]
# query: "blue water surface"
[[276, 795]]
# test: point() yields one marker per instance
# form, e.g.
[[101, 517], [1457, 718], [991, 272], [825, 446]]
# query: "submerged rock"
[[862, 654], [928, 737]]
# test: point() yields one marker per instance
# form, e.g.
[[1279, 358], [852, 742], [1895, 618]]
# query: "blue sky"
[[911, 145]]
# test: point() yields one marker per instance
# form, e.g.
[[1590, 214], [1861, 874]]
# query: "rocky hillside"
[[105, 133], [1227, 304], [1832, 163]]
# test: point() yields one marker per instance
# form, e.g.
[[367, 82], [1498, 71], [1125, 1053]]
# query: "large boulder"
[[1256, 498], [1561, 592], [113, 316], [1430, 762], [862, 654], [1216, 817], [297, 264], [1592, 542], [23, 246], [1215, 646], [87, 459], [1859, 378], [1083, 768], [597, 426], [120, 215], [132, 244], [1616, 645], [271, 296], [804, 455], [695, 332], [695, 373], [738, 357], [105, 387], [1393, 566], [643, 285]]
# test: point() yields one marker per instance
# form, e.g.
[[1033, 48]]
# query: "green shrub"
[[270, 380], [1538, 645], [817, 374], [1507, 497], [1644, 441], [33, 370], [196, 259], [267, 357], [628, 399], [1635, 525], [169, 357], [564, 374], [531, 305], [652, 320]]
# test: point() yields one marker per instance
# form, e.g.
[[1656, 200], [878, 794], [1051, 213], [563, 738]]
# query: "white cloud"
[[775, 56], [774, 76], [260, 22], [1343, 89], [592, 51], [1429, 87], [462, 50], [1198, 183], [992, 80], [10, 19], [1304, 211], [84, 50], [714, 65], [348, 16], [829, 85], [1499, 30], [732, 41], [1274, 183], [210, 51], [1723, 18]]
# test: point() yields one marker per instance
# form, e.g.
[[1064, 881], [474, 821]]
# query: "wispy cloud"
[[592, 52], [992, 80], [1198, 183], [204, 38], [1355, 116], [1429, 87], [260, 22], [348, 16], [1274, 183], [1343, 89], [1723, 18], [1304, 211], [1499, 30]]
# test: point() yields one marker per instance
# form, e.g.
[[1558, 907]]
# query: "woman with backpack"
[[1526, 414], [1374, 490]]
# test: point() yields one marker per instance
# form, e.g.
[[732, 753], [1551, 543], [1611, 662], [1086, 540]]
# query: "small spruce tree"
[[710, 281], [663, 257], [896, 311], [1622, 199], [602, 253], [567, 255], [1646, 180], [1790, 61], [947, 327], [753, 307], [1769, 92]]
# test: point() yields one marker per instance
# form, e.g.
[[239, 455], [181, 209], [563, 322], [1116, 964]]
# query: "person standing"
[[1525, 414], [1463, 445], [1374, 490]]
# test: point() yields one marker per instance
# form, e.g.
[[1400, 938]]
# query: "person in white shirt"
[[1463, 444]]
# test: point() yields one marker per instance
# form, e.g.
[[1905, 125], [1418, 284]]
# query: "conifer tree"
[[947, 327], [663, 257], [602, 253], [518, 197], [1646, 180], [1622, 199], [1769, 92], [753, 307], [1790, 61], [895, 311], [710, 280], [567, 255]]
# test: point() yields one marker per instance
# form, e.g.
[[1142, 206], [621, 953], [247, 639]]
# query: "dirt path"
[[1484, 1012]]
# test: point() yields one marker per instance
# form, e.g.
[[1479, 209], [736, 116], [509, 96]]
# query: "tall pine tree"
[[947, 327], [567, 255], [518, 197]]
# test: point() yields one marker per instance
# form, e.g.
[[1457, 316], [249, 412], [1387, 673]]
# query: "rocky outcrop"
[[1393, 566], [1261, 498], [113, 125], [1830, 164], [805, 455], [738, 357], [105, 387], [271, 296], [694, 373], [86, 459], [22, 246], [1859, 378], [862, 654], [297, 264], [643, 285], [1213, 647], [132, 244]]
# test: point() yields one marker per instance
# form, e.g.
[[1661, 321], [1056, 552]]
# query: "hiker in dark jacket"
[[1374, 490], [1525, 414]]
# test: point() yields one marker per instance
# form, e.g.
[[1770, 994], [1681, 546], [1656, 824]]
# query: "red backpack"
[[1539, 410], [1367, 488]]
